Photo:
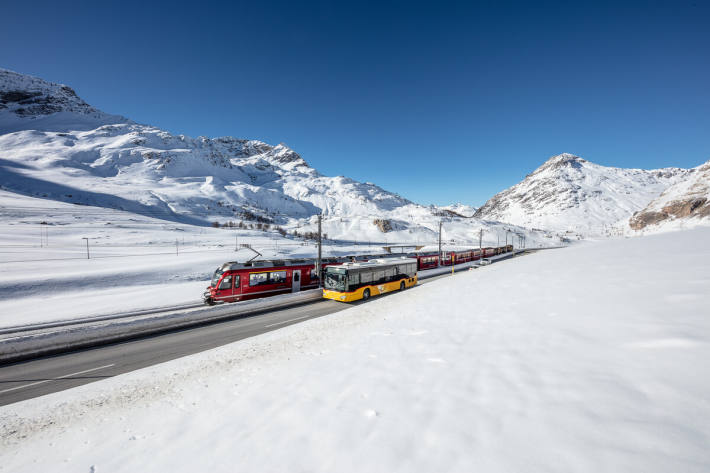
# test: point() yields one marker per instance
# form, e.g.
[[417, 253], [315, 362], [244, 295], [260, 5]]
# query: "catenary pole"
[[439, 259], [87, 247], [320, 254]]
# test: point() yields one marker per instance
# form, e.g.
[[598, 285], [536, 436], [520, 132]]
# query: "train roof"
[[231, 265]]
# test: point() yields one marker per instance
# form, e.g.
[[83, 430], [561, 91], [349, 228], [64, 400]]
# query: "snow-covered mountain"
[[459, 210], [568, 193], [683, 204], [54, 145]]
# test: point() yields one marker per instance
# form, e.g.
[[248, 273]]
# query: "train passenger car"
[[235, 281], [425, 260], [354, 281]]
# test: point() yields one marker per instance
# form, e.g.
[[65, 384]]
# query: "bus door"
[[296, 280]]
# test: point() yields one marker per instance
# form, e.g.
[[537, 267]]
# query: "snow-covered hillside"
[[570, 193], [683, 205], [55, 146]]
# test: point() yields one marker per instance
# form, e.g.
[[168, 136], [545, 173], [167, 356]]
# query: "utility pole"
[[440, 223], [87, 247], [480, 243], [320, 254], [236, 241]]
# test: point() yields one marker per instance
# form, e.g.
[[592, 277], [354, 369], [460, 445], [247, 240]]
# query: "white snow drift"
[[588, 358]]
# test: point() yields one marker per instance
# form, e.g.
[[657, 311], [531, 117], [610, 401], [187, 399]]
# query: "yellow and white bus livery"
[[354, 281]]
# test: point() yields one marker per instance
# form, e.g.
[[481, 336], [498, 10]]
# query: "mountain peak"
[[562, 160], [570, 193], [48, 105]]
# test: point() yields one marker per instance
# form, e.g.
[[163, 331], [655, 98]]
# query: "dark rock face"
[[28, 96], [385, 226], [694, 207], [19, 96]]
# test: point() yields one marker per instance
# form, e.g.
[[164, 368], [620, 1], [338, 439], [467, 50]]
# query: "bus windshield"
[[335, 281]]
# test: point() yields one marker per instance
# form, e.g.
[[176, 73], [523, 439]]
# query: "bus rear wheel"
[[365, 294]]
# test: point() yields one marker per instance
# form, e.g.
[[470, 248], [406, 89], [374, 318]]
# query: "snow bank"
[[582, 359], [70, 338]]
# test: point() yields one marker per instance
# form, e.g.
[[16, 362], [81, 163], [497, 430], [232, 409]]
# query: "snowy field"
[[136, 261], [584, 359]]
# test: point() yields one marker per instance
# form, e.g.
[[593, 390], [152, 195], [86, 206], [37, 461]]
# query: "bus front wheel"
[[401, 286], [365, 294]]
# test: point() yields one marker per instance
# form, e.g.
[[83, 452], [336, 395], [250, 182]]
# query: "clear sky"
[[437, 101]]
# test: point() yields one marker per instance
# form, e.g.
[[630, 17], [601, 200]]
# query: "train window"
[[257, 279], [314, 275], [277, 277], [216, 276], [236, 281], [226, 283]]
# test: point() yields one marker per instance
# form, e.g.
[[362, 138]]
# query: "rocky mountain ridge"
[[685, 203], [569, 193]]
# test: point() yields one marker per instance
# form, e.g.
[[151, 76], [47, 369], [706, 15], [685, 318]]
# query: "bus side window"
[[353, 280], [389, 274], [366, 277]]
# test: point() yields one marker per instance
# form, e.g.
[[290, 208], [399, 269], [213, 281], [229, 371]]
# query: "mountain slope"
[[684, 203], [55, 146], [571, 193]]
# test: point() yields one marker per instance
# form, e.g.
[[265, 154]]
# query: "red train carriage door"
[[225, 289], [296, 280]]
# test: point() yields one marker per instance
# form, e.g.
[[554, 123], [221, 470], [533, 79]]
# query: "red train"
[[235, 281], [428, 260]]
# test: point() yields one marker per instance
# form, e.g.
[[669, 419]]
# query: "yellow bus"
[[355, 281]]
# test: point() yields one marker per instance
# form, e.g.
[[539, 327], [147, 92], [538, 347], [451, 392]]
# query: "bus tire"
[[401, 286], [365, 294]]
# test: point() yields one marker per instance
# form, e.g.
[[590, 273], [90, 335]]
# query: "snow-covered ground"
[[136, 261], [589, 358]]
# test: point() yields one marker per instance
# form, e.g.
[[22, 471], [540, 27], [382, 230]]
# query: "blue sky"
[[440, 102]]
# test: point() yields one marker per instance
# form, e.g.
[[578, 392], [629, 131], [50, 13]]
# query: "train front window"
[[215, 278]]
